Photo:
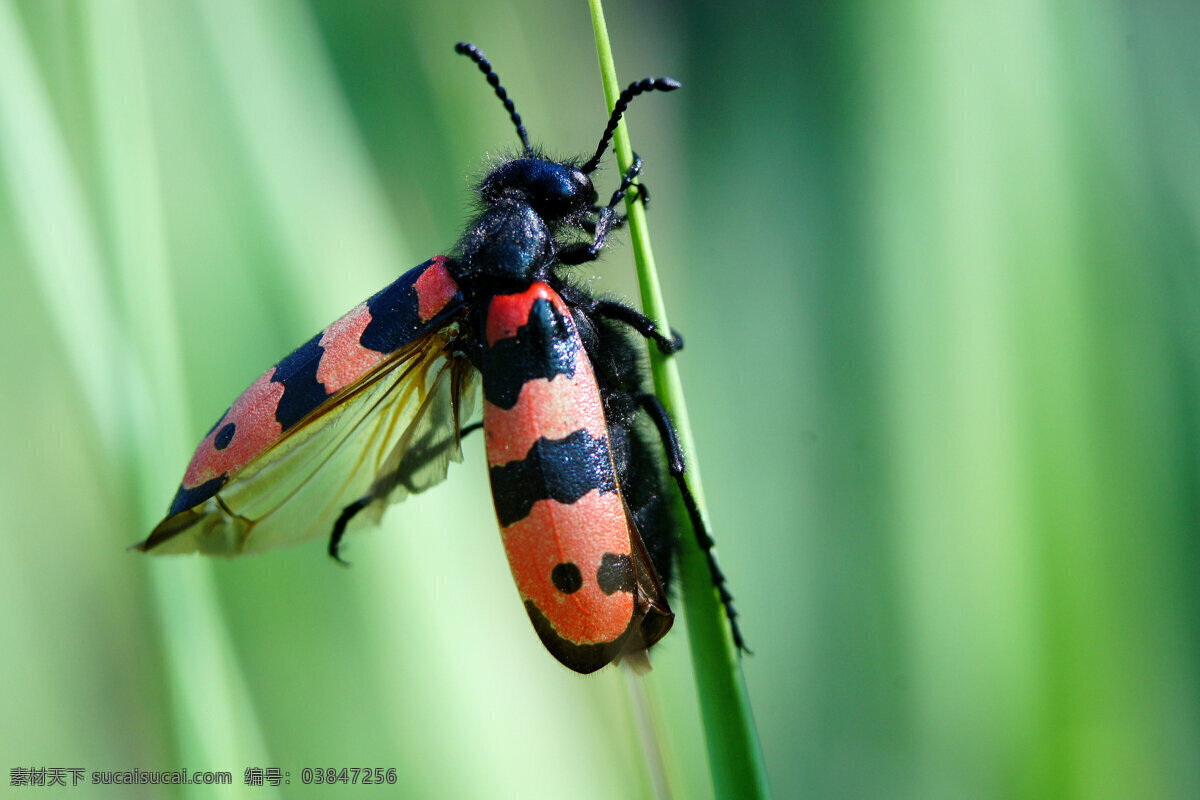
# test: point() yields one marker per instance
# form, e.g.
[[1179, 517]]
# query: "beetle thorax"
[[526, 201]]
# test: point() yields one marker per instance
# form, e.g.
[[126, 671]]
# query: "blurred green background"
[[936, 264]]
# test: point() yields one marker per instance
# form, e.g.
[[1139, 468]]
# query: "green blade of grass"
[[214, 715], [107, 349], [734, 755]]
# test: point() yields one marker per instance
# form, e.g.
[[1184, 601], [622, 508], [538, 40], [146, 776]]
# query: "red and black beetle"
[[373, 407]]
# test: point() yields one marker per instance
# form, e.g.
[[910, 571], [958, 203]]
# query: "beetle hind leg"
[[339, 527], [381, 488], [678, 467]]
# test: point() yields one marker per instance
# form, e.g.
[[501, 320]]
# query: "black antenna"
[[635, 88], [475, 54]]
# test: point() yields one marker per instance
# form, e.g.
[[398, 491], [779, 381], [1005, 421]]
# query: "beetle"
[[373, 408]]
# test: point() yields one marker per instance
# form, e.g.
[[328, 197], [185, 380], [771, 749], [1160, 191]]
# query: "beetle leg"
[[678, 467]]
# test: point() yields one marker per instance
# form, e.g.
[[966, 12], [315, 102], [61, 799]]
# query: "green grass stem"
[[734, 755], [111, 352]]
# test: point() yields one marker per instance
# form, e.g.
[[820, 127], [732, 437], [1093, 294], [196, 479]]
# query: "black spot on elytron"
[[545, 346], [395, 313], [615, 573], [567, 578], [224, 436], [187, 498], [302, 392], [217, 424], [554, 469]]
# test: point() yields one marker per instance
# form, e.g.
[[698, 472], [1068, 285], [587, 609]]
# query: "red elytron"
[[305, 439], [574, 551]]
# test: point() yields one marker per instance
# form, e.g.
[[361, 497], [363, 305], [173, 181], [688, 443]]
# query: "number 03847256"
[[348, 775]]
